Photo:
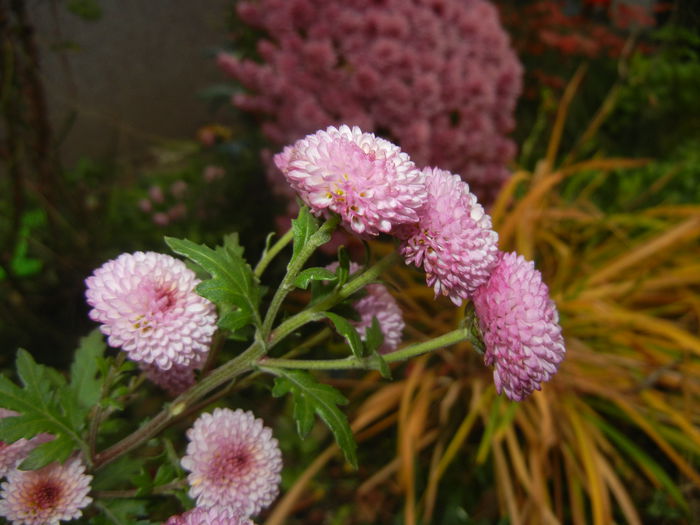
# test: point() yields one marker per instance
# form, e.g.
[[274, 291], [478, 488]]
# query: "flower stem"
[[272, 252], [450, 338], [171, 412], [293, 269], [314, 313]]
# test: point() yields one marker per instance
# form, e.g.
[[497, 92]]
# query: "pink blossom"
[[366, 180], [209, 516], [233, 461], [147, 306], [520, 327], [57, 492], [383, 66], [453, 241]]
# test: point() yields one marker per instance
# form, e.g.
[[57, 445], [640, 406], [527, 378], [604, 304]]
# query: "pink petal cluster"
[[233, 461], [453, 240], [381, 304], [147, 306], [57, 492], [11, 454], [366, 180], [438, 77], [520, 327], [176, 379], [209, 516]]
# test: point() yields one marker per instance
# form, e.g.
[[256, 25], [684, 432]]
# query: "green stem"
[[450, 338], [272, 252], [314, 313], [174, 410], [293, 269]]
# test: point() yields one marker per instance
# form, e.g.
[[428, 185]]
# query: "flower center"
[[45, 494], [231, 464]]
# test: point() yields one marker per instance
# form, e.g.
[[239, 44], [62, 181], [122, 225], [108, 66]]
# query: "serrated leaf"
[[313, 274], [309, 396], [55, 450], [348, 331], [83, 371], [303, 227], [42, 406], [233, 286]]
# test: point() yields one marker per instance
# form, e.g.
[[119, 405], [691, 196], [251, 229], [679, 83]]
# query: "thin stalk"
[[270, 254], [173, 411], [314, 313], [293, 269], [450, 338]]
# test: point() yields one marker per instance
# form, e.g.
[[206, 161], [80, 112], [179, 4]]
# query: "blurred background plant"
[[604, 198]]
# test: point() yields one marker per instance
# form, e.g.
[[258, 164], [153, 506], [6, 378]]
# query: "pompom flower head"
[[233, 461], [148, 307], [366, 180], [57, 492], [209, 516], [453, 241], [437, 77], [520, 326]]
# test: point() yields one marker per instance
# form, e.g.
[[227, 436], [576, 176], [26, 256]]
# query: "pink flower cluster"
[[54, 493], [234, 464], [443, 229], [147, 306], [436, 76], [520, 327]]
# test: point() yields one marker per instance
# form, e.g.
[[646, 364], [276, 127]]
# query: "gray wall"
[[136, 73]]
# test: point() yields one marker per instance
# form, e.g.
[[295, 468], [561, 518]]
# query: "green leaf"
[[44, 404], [343, 270], [311, 397], [83, 371], [55, 450], [303, 227], [233, 287], [313, 274], [348, 331], [374, 337]]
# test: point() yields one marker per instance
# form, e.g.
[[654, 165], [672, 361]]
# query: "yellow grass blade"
[[684, 232], [562, 111], [596, 489]]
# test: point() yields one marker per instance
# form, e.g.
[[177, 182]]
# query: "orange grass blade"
[[662, 244], [505, 485], [618, 490], [596, 490], [562, 111], [478, 400]]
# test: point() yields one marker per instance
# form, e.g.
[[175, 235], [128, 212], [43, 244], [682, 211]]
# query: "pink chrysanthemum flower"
[[520, 327], [46, 496], [233, 461], [209, 516], [175, 380], [381, 304], [11, 454], [148, 307], [366, 180], [453, 241]]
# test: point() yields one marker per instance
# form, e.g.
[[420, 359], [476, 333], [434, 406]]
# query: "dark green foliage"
[[311, 397]]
